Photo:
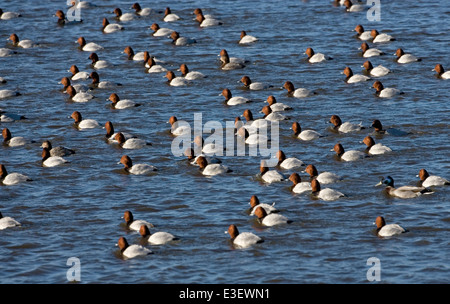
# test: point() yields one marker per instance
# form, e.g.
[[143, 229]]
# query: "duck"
[[375, 149], [211, 169], [439, 69], [8, 222], [78, 96], [97, 63], [175, 81], [271, 219], [96, 83], [288, 163], [324, 177], [253, 124], [200, 11], [132, 251], [350, 7], [160, 32], [298, 93], [118, 103], [12, 178], [8, 93], [316, 57], [190, 154], [208, 149], [254, 202], [276, 106], [253, 139], [354, 78], [378, 71], [178, 129], [57, 151], [362, 34], [133, 224], [270, 176], [326, 194], [83, 123], [243, 239], [428, 180], [88, 47], [247, 39], [4, 52], [157, 238], [272, 116], [346, 127], [130, 143], [51, 161], [141, 11], [136, 169], [383, 92], [190, 75], [132, 56], [180, 40], [62, 20], [379, 130], [26, 44], [206, 22], [16, 141], [380, 38], [256, 86], [153, 67], [111, 135], [351, 155], [233, 100], [78, 87], [368, 52], [403, 58], [169, 16], [123, 17], [110, 27], [231, 63], [8, 15], [403, 191], [387, 230], [304, 134], [297, 185]]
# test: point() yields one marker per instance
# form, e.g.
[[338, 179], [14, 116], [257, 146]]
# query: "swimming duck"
[[403, 191], [254, 202], [428, 180], [156, 238], [375, 149], [324, 177], [326, 194], [299, 186], [243, 239], [387, 230]]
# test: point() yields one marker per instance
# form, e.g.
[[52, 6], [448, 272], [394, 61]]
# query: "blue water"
[[75, 210]]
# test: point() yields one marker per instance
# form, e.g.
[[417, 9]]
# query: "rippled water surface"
[[75, 210]]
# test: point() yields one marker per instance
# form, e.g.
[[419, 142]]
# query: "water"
[[75, 210]]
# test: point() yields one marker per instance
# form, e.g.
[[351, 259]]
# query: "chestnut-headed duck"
[[169, 16], [324, 177], [362, 34], [175, 81], [369, 52], [383, 92], [77, 74], [231, 63], [133, 224], [209, 148], [200, 11], [439, 69], [379, 130], [428, 180], [275, 106], [270, 176], [253, 85], [51, 161], [271, 219], [353, 78], [130, 143], [181, 40], [118, 103], [178, 129], [288, 163], [403, 191], [62, 20], [297, 185], [153, 67], [351, 155], [253, 123], [345, 127], [350, 7], [254, 202], [272, 116], [159, 32], [380, 38], [211, 169], [96, 83], [242, 239], [375, 149], [8, 93], [136, 169], [190, 154], [402, 57], [206, 22], [8, 15], [190, 75], [326, 194], [123, 16], [88, 47], [316, 57], [110, 27], [132, 251], [387, 230], [78, 96], [26, 44], [304, 134], [11, 141], [81, 4], [7, 222], [246, 39], [233, 100], [132, 56], [378, 71], [298, 93], [253, 138], [141, 11], [83, 123], [97, 63], [156, 238], [111, 135], [12, 178], [57, 151]]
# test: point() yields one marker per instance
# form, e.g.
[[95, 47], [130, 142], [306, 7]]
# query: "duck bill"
[[379, 183]]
